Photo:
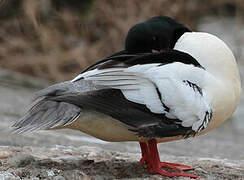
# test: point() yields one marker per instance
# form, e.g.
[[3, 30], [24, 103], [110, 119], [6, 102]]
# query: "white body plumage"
[[219, 82]]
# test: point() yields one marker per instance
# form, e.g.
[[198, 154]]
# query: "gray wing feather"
[[68, 87], [48, 114]]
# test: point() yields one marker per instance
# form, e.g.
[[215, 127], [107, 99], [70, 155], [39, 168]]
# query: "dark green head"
[[158, 33]]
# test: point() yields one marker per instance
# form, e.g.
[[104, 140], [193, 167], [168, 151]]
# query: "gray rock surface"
[[67, 154], [67, 162]]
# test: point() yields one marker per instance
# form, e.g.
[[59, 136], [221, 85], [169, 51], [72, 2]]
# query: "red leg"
[[150, 156], [145, 155], [144, 152]]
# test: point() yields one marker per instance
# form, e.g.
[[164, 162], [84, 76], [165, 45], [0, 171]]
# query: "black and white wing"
[[154, 94], [169, 85]]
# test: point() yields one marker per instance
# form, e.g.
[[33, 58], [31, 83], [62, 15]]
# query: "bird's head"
[[154, 35]]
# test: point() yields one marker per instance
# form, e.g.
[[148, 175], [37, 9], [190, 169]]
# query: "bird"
[[169, 83]]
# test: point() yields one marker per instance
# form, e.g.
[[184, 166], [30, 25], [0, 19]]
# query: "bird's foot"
[[175, 166], [150, 158], [173, 174], [178, 167]]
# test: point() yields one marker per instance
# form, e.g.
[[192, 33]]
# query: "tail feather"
[[48, 114]]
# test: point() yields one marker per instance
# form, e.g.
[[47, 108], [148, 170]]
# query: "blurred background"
[[54, 40]]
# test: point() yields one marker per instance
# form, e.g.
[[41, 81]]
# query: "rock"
[[4, 154], [54, 163], [20, 160], [58, 178], [8, 176]]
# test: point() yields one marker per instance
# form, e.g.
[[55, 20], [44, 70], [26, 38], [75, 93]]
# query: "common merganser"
[[168, 84]]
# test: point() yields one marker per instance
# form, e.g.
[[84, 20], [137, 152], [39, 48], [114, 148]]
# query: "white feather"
[[139, 84]]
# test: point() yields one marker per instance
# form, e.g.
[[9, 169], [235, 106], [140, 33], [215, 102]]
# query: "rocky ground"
[[66, 154], [66, 162]]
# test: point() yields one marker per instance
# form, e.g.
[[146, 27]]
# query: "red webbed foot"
[[150, 157], [173, 174], [178, 167]]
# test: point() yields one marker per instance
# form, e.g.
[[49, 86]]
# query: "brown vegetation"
[[57, 44]]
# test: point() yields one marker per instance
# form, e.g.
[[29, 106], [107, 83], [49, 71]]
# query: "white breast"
[[215, 56]]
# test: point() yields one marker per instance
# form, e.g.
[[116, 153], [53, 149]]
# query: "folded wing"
[[175, 90], [156, 95]]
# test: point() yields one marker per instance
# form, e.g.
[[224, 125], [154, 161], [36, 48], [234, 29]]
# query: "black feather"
[[141, 120]]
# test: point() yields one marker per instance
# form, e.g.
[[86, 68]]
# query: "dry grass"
[[60, 46]]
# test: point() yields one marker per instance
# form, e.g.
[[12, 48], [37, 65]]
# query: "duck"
[[169, 83]]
